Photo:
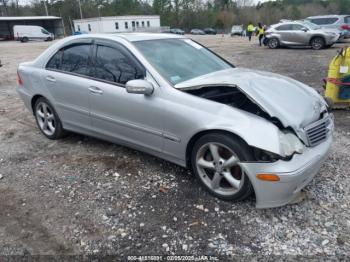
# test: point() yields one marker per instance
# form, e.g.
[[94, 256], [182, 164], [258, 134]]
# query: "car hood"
[[295, 104]]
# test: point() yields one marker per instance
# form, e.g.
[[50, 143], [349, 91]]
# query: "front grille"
[[317, 132]]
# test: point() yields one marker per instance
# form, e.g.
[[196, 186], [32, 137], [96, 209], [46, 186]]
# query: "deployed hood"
[[293, 103]]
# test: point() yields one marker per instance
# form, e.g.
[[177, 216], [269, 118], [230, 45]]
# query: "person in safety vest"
[[250, 30], [261, 33]]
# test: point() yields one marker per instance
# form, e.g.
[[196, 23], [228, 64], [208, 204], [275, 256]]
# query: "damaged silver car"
[[241, 131]]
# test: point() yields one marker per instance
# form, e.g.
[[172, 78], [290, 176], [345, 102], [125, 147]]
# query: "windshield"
[[179, 60], [311, 25]]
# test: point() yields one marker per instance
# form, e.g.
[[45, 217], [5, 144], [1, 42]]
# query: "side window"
[[89, 27], [296, 27], [347, 19], [75, 59], [284, 27], [126, 25], [115, 66], [79, 28], [44, 31], [116, 25], [55, 61], [148, 24], [143, 23]]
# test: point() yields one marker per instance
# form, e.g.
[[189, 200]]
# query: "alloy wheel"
[[219, 168], [46, 118]]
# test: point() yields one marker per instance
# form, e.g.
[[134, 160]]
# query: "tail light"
[[19, 80], [345, 27]]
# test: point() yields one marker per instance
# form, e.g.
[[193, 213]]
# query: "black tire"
[[329, 46], [241, 150], [59, 132], [273, 43], [317, 43], [24, 39], [49, 39]]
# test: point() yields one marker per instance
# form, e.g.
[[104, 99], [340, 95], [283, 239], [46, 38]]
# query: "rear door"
[[132, 118], [286, 33], [66, 77]]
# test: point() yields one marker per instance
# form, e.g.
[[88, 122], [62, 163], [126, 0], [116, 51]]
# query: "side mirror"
[[304, 29], [139, 86]]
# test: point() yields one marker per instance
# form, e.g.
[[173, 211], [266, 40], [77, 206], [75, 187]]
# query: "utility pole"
[[46, 11], [81, 12]]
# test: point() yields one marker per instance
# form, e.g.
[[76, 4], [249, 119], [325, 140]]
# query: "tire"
[[273, 43], [317, 43], [49, 39], [213, 174], [24, 39], [47, 119], [329, 46]]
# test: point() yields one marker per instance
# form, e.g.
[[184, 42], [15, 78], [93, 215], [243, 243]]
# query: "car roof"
[[326, 16], [131, 37]]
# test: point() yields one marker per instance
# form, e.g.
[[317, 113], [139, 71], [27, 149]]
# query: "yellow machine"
[[337, 91]]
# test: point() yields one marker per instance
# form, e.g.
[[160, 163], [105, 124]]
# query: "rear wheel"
[[24, 39], [215, 160], [273, 43], [47, 119], [317, 43]]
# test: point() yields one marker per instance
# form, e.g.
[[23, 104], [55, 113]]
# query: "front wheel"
[[215, 160], [47, 119], [273, 43], [317, 43]]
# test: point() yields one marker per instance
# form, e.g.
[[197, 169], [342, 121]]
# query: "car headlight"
[[290, 143]]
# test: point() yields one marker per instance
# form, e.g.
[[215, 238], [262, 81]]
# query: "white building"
[[118, 24]]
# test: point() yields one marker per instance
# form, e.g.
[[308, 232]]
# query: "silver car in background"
[[240, 131], [300, 33], [339, 22]]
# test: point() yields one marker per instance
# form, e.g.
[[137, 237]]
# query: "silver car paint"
[[299, 37], [164, 123], [269, 91]]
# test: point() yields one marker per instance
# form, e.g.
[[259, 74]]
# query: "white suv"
[[340, 22]]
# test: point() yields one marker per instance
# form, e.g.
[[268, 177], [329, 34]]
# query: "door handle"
[[50, 79], [95, 90]]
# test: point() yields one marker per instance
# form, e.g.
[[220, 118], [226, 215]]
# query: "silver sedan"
[[240, 131]]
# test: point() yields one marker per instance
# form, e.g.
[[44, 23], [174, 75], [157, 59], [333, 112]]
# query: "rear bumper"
[[26, 97], [294, 175]]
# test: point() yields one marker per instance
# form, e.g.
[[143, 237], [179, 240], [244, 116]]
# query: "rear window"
[[73, 59], [324, 21]]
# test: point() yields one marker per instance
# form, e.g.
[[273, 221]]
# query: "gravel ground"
[[81, 195]]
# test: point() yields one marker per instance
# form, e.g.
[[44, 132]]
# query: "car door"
[[66, 78], [285, 32], [300, 35], [132, 118]]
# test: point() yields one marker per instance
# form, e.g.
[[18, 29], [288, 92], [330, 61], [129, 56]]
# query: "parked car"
[[177, 31], [237, 30], [210, 31], [240, 131], [340, 22], [299, 33], [197, 32], [24, 33]]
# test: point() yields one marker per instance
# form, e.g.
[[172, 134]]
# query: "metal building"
[[52, 24], [118, 24]]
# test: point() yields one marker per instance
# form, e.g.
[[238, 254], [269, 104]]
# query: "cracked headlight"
[[290, 143]]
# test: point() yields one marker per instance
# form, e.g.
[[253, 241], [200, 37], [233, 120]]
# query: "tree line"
[[185, 14]]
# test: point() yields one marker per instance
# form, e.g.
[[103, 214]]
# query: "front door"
[[133, 118]]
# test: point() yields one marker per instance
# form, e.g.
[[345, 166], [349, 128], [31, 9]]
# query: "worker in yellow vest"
[[261, 33], [250, 30]]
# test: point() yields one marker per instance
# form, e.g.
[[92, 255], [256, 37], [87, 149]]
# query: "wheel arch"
[[34, 99], [320, 36], [200, 134]]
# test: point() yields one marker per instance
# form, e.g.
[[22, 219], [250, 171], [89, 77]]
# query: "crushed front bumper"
[[294, 175]]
